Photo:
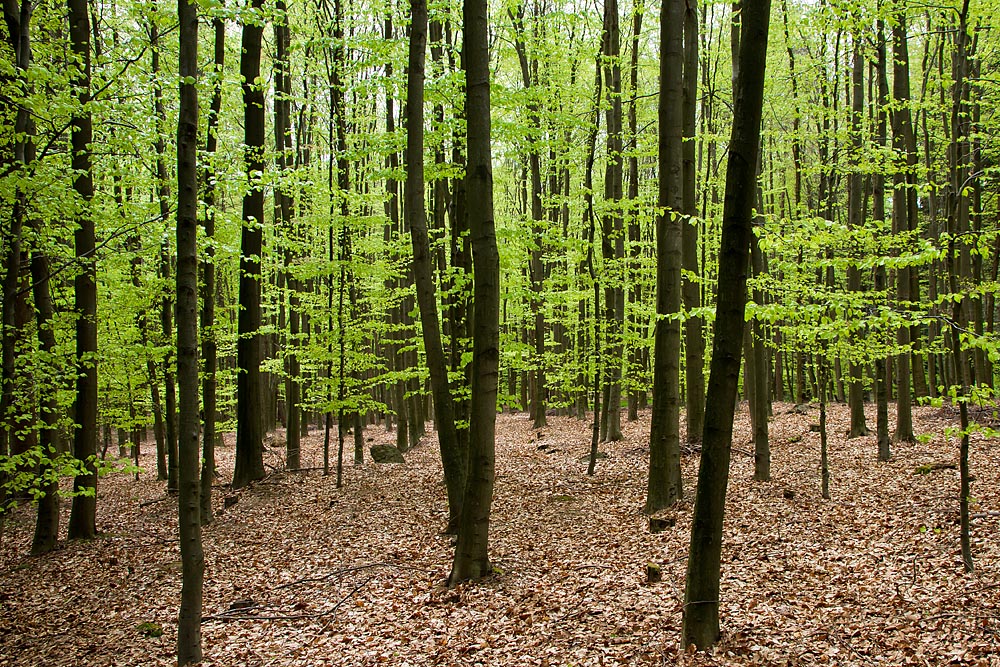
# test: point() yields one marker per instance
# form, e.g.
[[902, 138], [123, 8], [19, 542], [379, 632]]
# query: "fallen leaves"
[[355, 576]]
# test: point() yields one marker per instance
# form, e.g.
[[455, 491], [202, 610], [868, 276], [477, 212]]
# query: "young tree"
[[694, 337], [612, 237], [209, 348], [701, 593], [855, 219]]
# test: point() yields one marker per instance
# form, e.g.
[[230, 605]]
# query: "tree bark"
[[209, 348], [612, 239], [452, 458], [855, 219], [701, 596], [472, 551], [903, 186], [189, 421], [636, 322], [83, 515], [664, 484], [878, 195], [284, 221], [249, 427], [760, 406], [694, 337], [166, 298]]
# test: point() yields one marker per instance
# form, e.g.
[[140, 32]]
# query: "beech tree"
[[249, 392], [472, 550], [664, 449], [451, 456], [189, 423], [701, 592], [83, 517]]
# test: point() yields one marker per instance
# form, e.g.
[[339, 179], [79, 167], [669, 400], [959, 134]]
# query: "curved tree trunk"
[[452, 457]]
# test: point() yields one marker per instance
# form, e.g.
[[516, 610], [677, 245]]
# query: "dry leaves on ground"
[[321, 576]]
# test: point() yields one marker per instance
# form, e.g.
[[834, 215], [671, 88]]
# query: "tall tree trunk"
[[612, 238], [878, 195], [664, 485], [472, 551], [284, 214], [800, 380], [83, 515], [855, 219], [209, 351], [536, 266], [901, 223], [959, 268], [636, 322], [452, 458], [166, 298], [249, 427], [17, 18], [701, 595], [189, 422], [760, 406], [47, 523], [694, 337]]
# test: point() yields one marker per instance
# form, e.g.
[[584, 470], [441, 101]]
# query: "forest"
[[515, 333]]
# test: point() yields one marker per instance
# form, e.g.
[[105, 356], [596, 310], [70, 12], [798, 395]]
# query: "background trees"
[[871, 197]]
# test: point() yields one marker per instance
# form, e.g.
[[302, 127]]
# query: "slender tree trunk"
[[694, 337], [855, 219], [760, 406], [249, 426], [636, 322], [284, 214], [901, 221], [664, 484], [878, 195], [83, 516], [612, 238], [189, 455], [452, 457], [209, 350], [958, 271], [47, 522], [701, 595], [472, 551], [17, 19]]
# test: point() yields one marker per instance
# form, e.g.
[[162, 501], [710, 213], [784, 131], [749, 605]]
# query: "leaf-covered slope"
[[354, 577]]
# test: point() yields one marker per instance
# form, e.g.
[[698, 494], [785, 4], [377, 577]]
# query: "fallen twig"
[[243, 616]]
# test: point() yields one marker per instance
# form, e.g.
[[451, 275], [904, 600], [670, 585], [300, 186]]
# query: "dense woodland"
[[323, 225]]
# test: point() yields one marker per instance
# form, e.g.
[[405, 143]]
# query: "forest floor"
[[354, 576]]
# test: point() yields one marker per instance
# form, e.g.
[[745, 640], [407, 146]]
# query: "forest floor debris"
[[301, 573]]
